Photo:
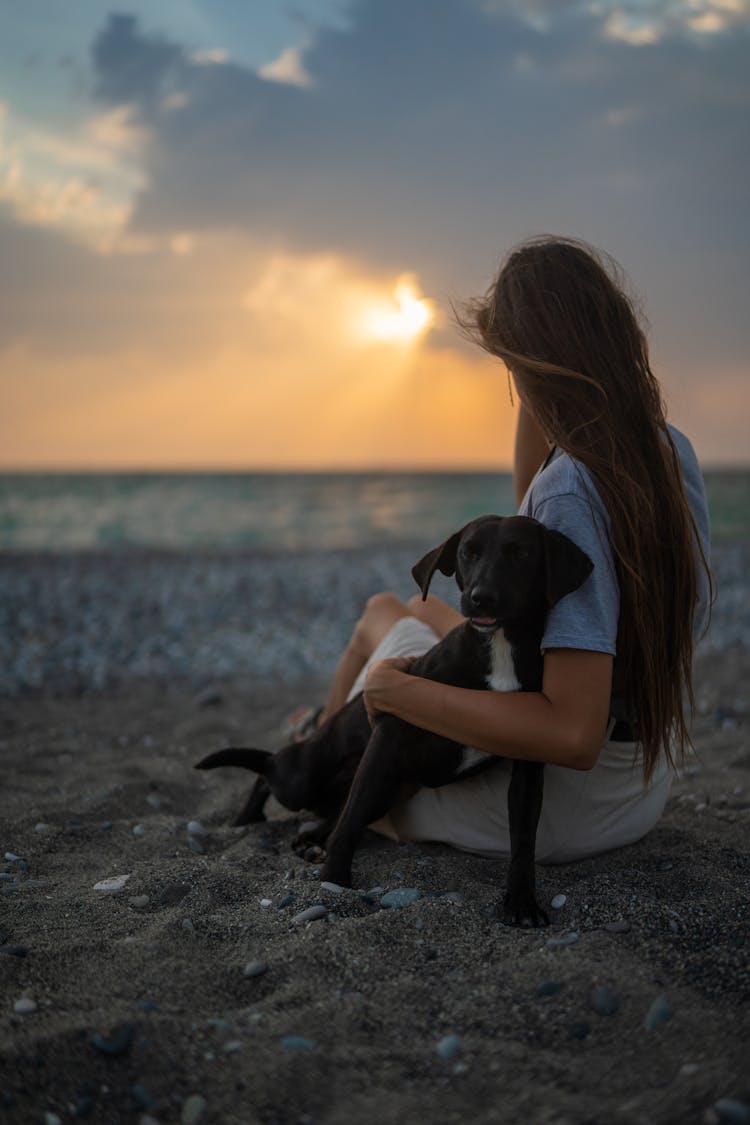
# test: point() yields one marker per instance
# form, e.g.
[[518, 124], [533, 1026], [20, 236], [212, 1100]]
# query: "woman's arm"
[[563, 725], [530, 451]]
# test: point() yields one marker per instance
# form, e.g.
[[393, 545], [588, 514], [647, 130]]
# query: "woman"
[[594, 459]]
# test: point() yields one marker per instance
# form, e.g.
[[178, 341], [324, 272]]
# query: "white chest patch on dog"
[[502, 676]]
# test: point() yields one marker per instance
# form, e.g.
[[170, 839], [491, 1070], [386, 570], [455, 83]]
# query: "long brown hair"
[[559, 317]]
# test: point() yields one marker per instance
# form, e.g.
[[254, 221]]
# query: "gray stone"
[[604, 1000], [296, 1043], [448, 1047], [659, 1012], [255, 969], [401, 896], [731, 1112], [558, 902], [565, 939], [311, 914], [192, 1109]]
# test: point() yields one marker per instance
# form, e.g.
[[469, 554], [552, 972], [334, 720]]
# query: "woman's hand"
[[383, 677]]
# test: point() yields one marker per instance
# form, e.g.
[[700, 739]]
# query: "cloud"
[[424, 137], [288, 68]]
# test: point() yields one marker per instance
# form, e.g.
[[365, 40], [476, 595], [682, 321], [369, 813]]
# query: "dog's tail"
[[247, 759]]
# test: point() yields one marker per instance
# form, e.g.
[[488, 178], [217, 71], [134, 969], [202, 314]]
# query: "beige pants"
[[584, 812]]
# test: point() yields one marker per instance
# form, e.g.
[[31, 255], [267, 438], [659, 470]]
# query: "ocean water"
[[115, 512]]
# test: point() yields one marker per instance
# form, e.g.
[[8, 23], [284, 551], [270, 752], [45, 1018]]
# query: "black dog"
[[511, 571]]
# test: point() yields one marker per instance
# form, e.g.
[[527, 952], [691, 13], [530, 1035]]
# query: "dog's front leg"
[[520, 906], [376, 785]]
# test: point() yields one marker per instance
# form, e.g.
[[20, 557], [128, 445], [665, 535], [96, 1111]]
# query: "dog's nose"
[[482, 598]]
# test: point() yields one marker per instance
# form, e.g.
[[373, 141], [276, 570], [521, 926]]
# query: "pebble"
[[659, 1012], [24, 1006], [113, 884], [51, 1118], [564, 939], [333, 888], [138, 901], [153, 800], [314, 854], [14, 950], [195, 828], [13, 858], [192, 1109], [617, 927], [311, 914], [729, 1111], [453, 896], [139, 830], [604, 1000], [286, 900], [558, 902], [449, 1046], [41, 828], [401, 896], [142, 1096], [549, 988], [118, 1042], [232, 1046], [266, 902], [255, 969], [187, 925], [296, 1043]]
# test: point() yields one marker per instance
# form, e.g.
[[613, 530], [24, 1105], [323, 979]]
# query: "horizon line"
[[294, 470]]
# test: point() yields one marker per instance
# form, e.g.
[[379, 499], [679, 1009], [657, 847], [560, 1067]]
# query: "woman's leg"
[[380, 615], [436, 613]]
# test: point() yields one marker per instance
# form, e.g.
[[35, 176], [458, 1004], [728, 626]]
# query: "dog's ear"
[[568, 566], [442, 558]]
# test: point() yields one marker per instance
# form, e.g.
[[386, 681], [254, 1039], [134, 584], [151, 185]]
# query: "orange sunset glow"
[[316, 364], [232, 236]]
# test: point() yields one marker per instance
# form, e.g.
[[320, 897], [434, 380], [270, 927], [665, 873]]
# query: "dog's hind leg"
[[252, 811], [520, 906]]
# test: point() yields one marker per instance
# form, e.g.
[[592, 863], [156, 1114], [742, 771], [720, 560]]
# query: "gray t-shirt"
[[563, 496]]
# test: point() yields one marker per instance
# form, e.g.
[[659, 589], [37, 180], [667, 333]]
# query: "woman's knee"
[[434, 612], [380, 614]]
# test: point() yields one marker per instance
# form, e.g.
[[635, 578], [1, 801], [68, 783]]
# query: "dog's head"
[[506, 567]]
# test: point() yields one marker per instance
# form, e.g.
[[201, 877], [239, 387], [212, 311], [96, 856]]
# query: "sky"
[[232, 234]]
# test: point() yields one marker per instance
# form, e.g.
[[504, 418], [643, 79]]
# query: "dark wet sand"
[[373, 990]]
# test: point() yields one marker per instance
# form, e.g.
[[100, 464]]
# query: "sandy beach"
[[190, 991]]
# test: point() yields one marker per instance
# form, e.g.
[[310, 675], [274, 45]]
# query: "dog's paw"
[[312, 853], [522, 910], [333, 873], [313, 836]]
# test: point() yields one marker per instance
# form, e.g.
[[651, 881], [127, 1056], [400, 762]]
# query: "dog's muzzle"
[[485, 624]]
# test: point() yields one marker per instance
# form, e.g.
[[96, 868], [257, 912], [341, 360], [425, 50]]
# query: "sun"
[[402, 318]]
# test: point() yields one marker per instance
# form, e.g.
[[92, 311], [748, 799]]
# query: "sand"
[[100, 785]]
